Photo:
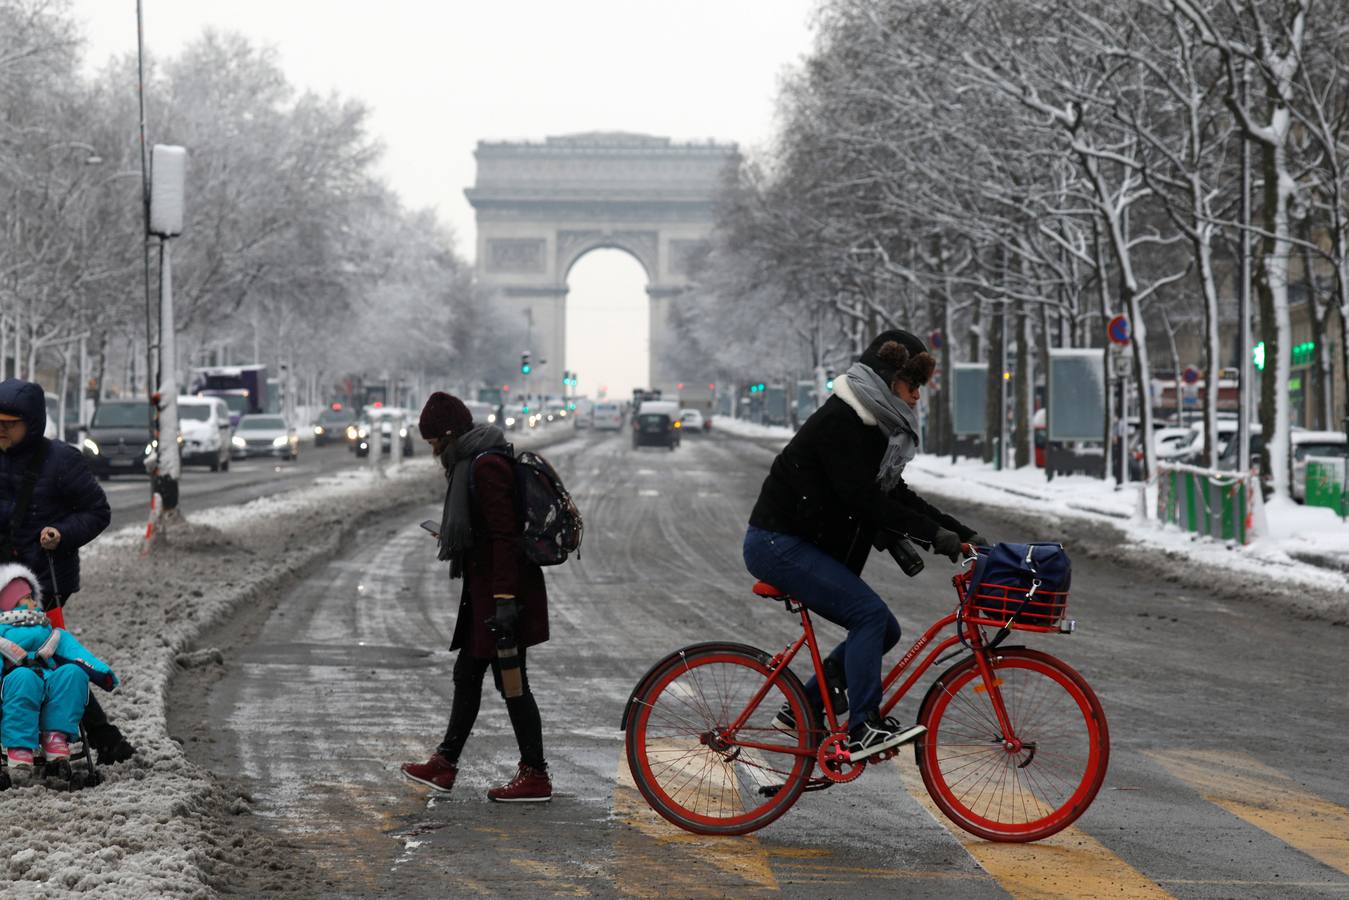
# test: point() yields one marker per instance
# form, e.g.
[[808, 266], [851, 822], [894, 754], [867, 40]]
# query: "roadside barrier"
[[1326, 477], [1223, 505]]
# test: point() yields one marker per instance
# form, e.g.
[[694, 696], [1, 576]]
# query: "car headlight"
[[491, 418], [562, 413], [318, 431], [150, 447], [677, 424], [238, 442], [363, 432], [402, 432], [352, 434], [280, 441], [91, 446], [510, 423]]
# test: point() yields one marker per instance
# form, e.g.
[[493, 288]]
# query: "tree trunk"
[[1024, 375], [993, 410]]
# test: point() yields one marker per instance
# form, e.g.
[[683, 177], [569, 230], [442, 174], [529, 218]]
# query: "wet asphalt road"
[[1227, 718]]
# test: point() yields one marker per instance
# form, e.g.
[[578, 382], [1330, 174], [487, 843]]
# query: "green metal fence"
[[1217, 504]]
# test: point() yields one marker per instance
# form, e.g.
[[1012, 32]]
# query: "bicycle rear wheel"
[[690, 771], [1002, 793]]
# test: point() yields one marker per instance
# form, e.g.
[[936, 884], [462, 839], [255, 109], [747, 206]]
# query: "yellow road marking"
[[1267, 799], [1068, 864], [677, 868]]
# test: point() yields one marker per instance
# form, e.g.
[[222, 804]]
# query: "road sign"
[[934, 340], [1118, 330], [1190, 375]]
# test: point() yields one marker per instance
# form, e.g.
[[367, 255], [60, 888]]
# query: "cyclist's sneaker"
[[785, 720], [876, 735]]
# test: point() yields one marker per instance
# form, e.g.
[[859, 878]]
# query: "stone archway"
[[540, 207]]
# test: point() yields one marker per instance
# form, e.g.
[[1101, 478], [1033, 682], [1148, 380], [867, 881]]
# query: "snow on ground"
[[158, 826], [1304, 547]]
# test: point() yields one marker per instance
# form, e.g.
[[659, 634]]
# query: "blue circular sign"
[[1118, 330], [1190, 375]]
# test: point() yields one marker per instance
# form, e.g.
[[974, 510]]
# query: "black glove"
[[947, 544], [507, 617], [979, 540]]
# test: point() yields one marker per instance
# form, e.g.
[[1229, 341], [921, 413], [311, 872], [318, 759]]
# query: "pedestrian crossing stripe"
[[680, 870], [1265, 798], [1070, 863]]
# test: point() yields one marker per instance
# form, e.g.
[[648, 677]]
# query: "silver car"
[[264, 435]]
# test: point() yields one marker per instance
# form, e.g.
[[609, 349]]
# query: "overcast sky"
[[439, 75]]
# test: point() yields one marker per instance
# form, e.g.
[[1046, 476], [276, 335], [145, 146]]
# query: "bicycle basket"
[[1018, 586]]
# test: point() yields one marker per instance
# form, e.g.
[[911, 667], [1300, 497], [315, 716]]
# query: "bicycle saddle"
[[764, 589]]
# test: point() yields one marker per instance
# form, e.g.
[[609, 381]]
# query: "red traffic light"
[[506, 388], [377, 404]]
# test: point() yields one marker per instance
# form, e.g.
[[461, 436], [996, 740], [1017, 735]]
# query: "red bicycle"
[[1016, 746]]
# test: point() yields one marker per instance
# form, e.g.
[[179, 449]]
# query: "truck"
[[243, 388]]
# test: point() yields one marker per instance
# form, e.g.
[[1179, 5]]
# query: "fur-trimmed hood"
[[844, 392], [10, 571]]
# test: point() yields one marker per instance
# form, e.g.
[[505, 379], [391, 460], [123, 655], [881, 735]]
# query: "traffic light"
[[524, 363], [828, 379]]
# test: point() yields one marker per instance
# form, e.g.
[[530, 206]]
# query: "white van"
[[606, 416], [204, 423]]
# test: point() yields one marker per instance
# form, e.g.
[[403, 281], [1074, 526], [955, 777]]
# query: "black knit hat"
[[871, 358]]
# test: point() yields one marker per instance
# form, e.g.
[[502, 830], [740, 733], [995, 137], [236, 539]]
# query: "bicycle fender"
[[665, 661]]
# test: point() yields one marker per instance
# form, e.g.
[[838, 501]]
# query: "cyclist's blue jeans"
[[830, 589]]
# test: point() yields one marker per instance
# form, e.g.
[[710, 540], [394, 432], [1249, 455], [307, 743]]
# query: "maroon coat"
[[496, 564]]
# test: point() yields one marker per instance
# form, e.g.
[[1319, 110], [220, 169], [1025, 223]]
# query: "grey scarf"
[[895, 417], [456, 524]]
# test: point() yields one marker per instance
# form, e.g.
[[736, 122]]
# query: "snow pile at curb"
[[1305, 548], [741, 428], [153, 829]]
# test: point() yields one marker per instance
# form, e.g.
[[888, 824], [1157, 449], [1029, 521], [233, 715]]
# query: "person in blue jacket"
[[66, 510], [45, 686]]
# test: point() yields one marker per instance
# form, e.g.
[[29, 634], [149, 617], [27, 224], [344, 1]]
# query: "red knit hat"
[[444, 414]]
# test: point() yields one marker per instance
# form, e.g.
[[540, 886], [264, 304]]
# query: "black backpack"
[[551, 523]]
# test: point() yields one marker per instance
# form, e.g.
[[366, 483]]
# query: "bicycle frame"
[[781, 662]]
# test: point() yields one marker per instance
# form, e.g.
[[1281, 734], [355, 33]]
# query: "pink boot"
[[55, 746]]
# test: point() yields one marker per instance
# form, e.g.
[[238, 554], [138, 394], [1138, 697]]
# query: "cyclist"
[[833, 492]]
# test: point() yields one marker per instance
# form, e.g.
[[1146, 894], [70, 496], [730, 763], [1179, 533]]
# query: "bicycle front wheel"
[[1013, 792], [686, 765]]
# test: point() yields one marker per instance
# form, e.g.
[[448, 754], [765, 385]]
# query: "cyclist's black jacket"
[[822, 487]]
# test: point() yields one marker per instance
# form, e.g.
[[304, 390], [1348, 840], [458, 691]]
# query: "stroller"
[[61, 774]]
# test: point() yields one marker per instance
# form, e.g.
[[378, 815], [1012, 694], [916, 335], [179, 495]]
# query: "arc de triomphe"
[[541, 206]]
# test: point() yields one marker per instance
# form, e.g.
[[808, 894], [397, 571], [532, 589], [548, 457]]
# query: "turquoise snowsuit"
[[45, 694]]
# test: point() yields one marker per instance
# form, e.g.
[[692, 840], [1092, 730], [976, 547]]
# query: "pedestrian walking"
[[833, 492], [51, 505], [503, 606]]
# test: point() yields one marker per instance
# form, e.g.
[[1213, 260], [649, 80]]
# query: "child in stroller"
[[45, 686]]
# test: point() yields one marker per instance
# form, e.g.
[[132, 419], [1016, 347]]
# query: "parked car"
[[332, 425], [655, 429], [204, 423], [118, 437], [263, 434], [556, 411], [606, 416]]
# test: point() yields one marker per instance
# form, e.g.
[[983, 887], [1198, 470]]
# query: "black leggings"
[[524, 712]]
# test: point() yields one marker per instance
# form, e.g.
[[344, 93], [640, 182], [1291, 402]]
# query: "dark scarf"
[[456, 525]]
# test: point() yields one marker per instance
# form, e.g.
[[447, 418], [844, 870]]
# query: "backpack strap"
[[17, 515]]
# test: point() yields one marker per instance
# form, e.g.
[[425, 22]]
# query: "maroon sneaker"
[[528, 786], [436, 773]]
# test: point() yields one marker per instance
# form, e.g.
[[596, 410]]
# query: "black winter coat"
[[67, 496], [822, 487]]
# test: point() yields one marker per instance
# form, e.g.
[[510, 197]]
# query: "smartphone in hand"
[[433, 527]]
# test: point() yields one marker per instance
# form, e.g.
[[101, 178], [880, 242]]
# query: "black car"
[[654, 429], [332, 426], [117, 438]]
